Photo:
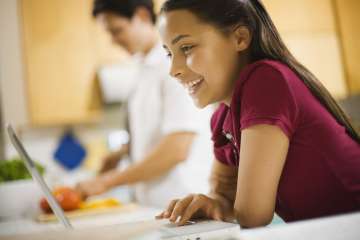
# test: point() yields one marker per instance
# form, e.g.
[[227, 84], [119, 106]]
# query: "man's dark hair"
[[124, 8]]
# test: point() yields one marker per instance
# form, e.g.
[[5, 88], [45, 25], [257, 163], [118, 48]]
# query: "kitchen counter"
[[27, 225], [344, 227], [140, 225]]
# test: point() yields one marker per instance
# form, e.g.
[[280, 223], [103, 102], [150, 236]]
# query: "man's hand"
[[111, 160], [92, 187]]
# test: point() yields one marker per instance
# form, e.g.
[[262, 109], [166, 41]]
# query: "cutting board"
[[124, 208]]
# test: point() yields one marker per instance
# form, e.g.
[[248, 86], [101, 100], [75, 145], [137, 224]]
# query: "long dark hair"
[[266, 42]]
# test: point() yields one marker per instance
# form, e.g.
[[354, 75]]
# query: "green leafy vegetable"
[[15, 169]]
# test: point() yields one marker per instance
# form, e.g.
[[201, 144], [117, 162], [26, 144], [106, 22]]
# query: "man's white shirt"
[[159, 106]]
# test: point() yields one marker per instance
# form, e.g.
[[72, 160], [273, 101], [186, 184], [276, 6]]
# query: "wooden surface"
[[63, 48], [89, 212], [349, 20], [309, 29]]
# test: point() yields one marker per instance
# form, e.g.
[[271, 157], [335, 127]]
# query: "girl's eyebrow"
[[178, 38]]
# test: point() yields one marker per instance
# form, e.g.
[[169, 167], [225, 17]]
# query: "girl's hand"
[[193, 206]]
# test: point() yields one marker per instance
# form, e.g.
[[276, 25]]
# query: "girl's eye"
[[186, 49]]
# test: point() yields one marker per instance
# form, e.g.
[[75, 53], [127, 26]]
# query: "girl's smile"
[[205, 60]]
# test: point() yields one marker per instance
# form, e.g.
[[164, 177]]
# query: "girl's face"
[[204, 59]]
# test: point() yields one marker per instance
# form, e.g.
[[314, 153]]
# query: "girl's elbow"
[[252, 220]]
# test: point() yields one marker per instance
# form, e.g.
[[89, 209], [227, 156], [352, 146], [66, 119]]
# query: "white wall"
[[13, 94]]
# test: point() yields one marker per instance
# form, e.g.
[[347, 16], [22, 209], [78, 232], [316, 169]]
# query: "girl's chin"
[[200, 104]]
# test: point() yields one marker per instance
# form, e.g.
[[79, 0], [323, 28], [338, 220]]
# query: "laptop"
[[193, 230], [30, 165]]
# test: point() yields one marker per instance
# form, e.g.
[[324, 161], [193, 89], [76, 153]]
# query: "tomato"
[[68, 198], [44, 205]]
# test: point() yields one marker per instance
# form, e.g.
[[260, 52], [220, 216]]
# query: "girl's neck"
[[244, 60]]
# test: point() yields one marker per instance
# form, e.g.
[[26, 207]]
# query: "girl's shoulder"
[[265, 93], [267, 75], [265, 66]]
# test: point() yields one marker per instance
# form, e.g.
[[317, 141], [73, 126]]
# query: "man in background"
[[169, 148]]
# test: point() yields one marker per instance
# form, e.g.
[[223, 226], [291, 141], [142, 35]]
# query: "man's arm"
[[112, 159], [171, 150]]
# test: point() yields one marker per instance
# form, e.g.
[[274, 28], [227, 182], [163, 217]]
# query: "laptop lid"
[[30, 165]]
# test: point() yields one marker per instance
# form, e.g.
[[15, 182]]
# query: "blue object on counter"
[[70, 153]]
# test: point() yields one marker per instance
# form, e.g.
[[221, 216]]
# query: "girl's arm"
[[247, 193], [218, 204], [223, 181], [262, 157]]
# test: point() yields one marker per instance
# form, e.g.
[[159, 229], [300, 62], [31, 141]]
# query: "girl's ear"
[[242, 37]]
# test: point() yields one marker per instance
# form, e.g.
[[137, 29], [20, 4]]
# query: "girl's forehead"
[[180, 19], [182, 22]]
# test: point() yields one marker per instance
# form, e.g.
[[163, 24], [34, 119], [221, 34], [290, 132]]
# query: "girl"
[[282, 144]]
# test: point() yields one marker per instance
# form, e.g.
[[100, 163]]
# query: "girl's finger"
[[180, 207], [192, 208], [170, 208], [160, 216], [217, 215]]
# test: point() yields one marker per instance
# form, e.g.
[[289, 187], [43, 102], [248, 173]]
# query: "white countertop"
[[344, 227], [28, 225], [141, 222], [138, 225]]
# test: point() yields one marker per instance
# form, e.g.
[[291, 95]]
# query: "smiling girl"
[[282, 144]]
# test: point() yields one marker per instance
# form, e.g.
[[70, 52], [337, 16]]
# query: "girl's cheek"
[[190, 62], [194, 63]]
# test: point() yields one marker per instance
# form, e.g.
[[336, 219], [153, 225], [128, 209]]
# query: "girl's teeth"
[[193, 83], [190, 85]]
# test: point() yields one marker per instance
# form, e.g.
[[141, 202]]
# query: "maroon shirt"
[[321, 175]]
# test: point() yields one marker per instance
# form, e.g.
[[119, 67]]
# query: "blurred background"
[[58, 71]]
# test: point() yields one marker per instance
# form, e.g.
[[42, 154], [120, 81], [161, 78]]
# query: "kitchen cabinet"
[[309, 28], [348, 22], [63, 47]]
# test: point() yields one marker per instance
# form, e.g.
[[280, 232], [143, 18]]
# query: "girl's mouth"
[[193, 86]]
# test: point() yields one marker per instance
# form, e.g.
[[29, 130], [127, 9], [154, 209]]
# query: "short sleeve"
[[179, 111], [267, 98]]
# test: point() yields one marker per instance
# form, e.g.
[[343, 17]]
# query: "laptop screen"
[[30, 165]]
